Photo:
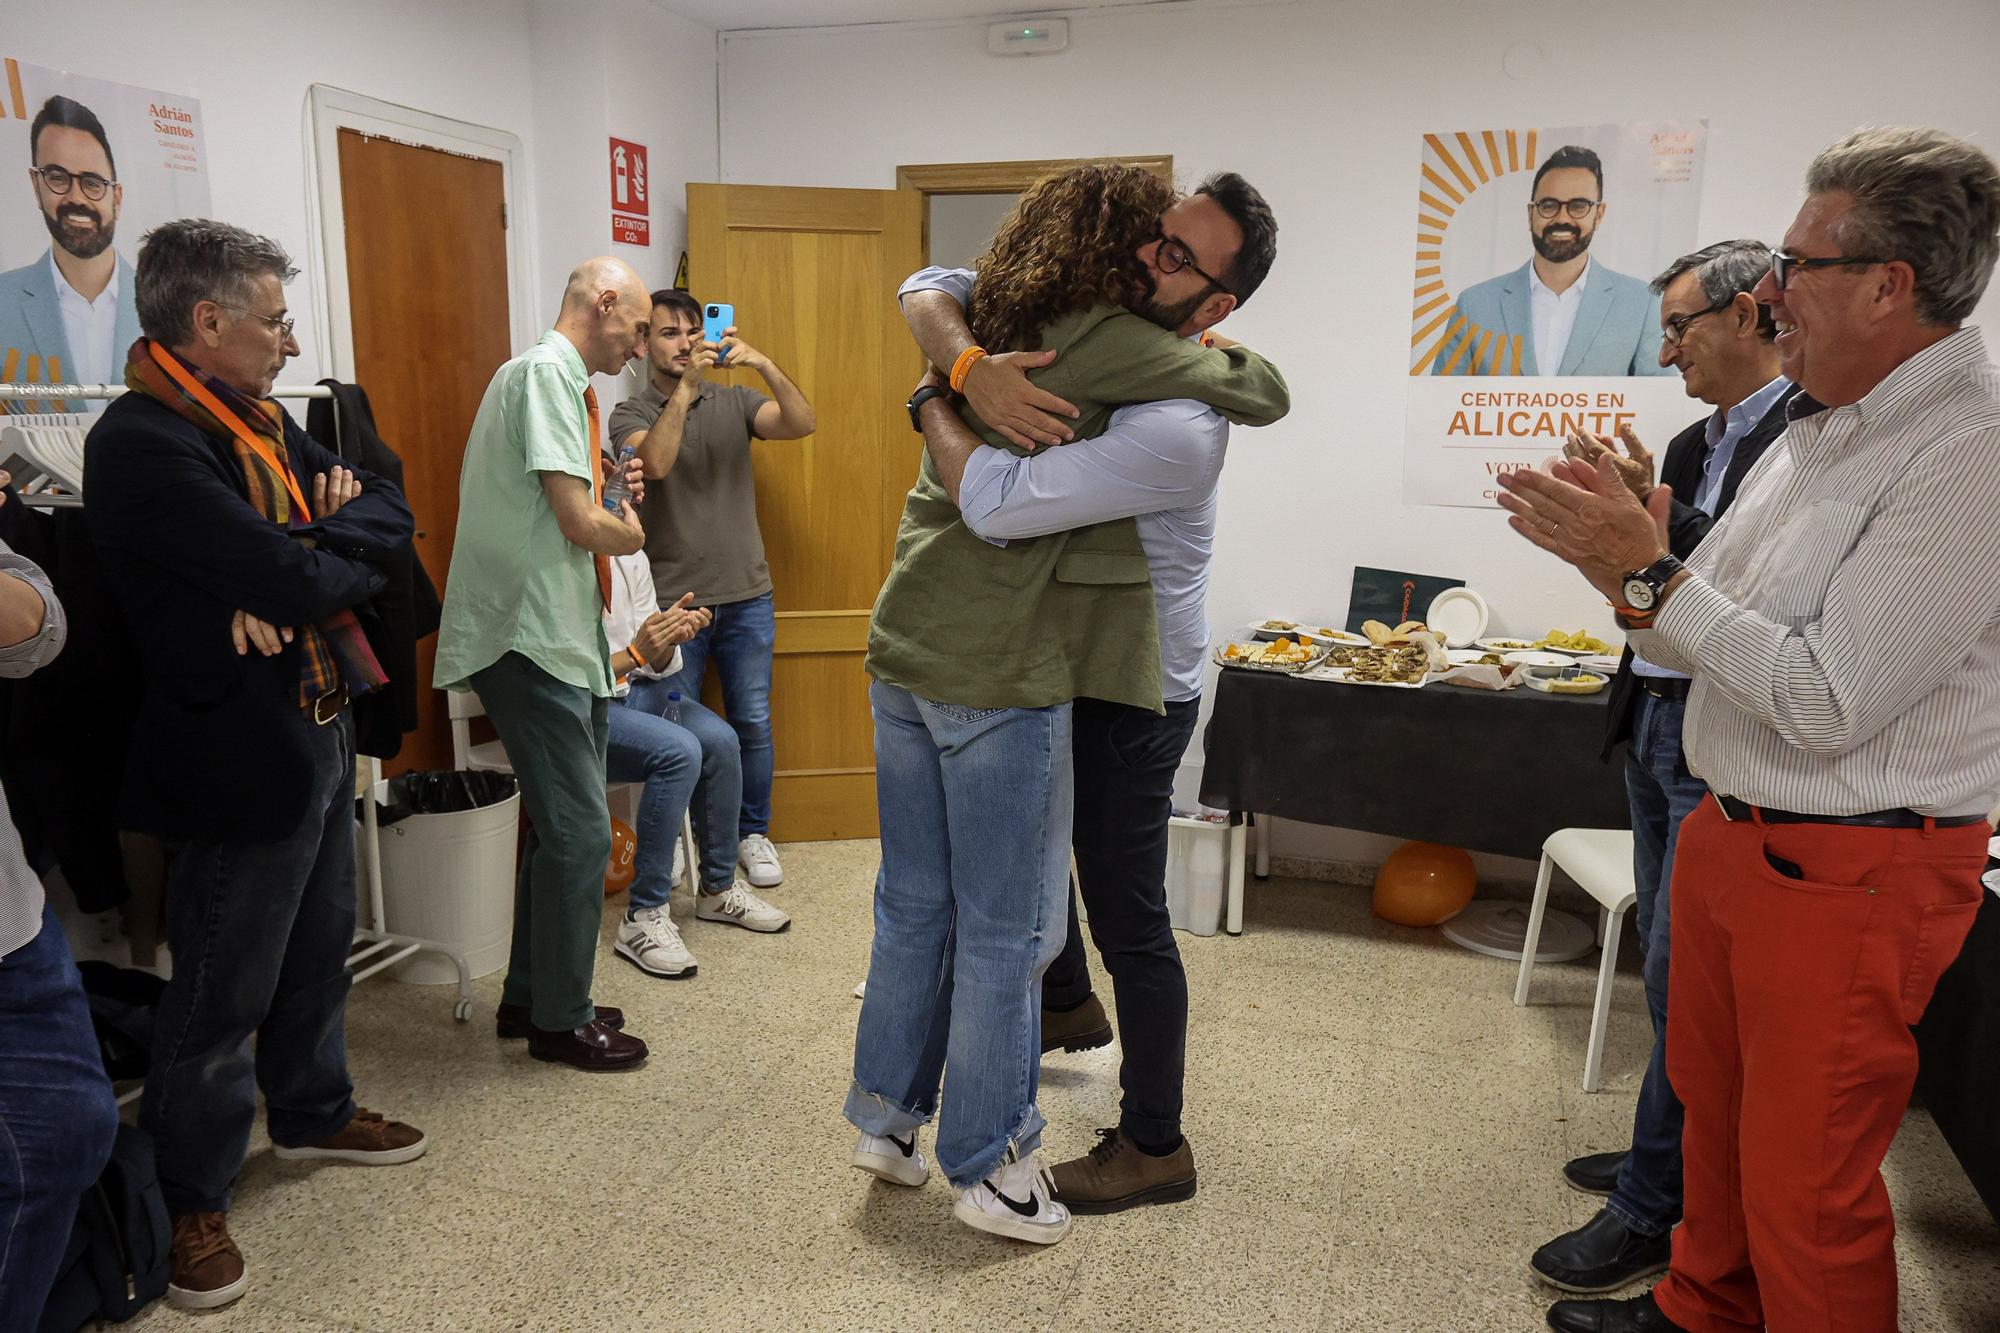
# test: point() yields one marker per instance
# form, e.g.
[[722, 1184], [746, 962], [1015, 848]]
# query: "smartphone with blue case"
[[717, 318]]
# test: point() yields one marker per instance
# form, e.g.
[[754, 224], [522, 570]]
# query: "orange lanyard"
[[236, 424]]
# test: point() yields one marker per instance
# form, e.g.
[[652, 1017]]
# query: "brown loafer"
[[1083, 1028], [510, 1021], [368, 1139], [593, 1048], [1117, 1174], [208, 1269]]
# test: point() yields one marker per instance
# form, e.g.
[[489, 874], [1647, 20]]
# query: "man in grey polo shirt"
[[700, 518]]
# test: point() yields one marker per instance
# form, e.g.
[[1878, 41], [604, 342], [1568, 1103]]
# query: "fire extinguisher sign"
[[630, 213]]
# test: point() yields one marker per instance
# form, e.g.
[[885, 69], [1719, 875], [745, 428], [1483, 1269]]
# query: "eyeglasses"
[[1576, 208], [1173, 256], [59, 179], [278, 322], [1783, 266], [1676, 326]]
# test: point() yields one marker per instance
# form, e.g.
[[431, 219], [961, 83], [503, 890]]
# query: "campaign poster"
[[1533, 314], [87, 167]]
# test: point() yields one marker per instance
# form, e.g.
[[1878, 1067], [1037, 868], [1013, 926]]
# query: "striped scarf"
[[334, 650]]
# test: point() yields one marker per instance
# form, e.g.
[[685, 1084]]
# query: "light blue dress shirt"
[[1725, 431]]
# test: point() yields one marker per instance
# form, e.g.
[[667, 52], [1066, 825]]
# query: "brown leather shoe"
[[207, 1267], [1083, 1028], [593, 1048], [369, 1139], [510, 1021], [1117, 1174]]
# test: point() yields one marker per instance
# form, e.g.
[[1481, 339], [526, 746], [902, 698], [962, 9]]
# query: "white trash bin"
[[450, 878], [1197, 874]]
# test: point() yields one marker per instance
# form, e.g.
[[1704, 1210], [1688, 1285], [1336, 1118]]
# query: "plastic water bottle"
[[616, 492], [673, 706]]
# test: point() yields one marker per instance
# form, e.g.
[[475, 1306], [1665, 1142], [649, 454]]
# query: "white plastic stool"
[[1601, 861]]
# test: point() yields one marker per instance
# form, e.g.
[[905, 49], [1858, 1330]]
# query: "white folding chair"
[[491, 757], [1600, 860]]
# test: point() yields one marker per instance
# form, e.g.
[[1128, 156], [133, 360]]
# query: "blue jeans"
[[969, 911], [1662, 792], [57, 1116], [740, 640], [260, 933], [676, 762]]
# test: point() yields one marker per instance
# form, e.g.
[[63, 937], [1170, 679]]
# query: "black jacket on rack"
[[407, 609], [1681, 472], [67, 726]]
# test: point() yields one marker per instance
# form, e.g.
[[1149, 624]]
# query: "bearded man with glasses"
[[1561, 313], [69, 316]]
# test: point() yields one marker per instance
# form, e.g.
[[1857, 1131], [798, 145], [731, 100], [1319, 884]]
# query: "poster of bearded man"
[[87, 167], [1533, 314]]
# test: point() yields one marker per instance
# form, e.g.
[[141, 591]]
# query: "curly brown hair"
[[1070, 244]]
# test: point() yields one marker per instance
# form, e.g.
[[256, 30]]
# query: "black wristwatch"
[[1643, 586], [919, 398]]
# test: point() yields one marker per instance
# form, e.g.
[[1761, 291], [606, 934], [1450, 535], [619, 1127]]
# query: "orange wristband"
[[960, 367], [637, 656]]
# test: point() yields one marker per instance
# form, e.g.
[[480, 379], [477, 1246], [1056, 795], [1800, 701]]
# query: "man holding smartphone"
[[693, 438]]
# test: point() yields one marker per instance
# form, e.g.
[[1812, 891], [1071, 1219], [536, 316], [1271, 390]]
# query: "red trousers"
[[1788, 1041]]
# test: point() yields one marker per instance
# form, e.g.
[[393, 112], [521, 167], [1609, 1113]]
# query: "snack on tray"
[[1279, 652], [1581, 684], [1404, 665], [1279, 624], [1579, 642], [1382, 636]]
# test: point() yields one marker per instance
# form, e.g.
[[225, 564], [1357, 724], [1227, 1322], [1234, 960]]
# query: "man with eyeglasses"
[[1720, 339], [68, 317], [1560, 313], [1160, 463], [1842, 625]]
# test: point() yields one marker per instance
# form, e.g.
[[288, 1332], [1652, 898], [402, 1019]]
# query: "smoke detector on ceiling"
[[1027, 37]]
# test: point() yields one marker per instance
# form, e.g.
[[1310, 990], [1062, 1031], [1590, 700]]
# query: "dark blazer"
[[220, 747], [1680, 472], [405, 611]]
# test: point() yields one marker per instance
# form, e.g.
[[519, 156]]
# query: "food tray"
[[1318, 655]]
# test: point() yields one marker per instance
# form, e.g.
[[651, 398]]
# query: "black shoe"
[[1601, 1255], [1595, 1174], [1638, 1315]]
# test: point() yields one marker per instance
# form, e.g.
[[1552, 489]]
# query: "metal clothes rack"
[[375, 946]]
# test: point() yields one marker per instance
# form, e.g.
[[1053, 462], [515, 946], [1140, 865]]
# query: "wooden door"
[[426, 238], [813, 276]]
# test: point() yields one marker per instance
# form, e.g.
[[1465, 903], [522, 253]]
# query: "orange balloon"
[[1423, 884], [624, 848]]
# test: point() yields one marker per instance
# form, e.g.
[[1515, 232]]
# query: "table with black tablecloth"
[[1486, 770]]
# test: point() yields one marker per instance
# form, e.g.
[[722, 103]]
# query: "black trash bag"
[[123, 1001], [443, 793]]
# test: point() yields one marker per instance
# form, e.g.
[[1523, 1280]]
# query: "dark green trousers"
[[555, 736]]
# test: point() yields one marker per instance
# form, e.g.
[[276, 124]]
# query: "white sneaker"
[[1016, 1201], [737, 906], [651, 942], [886, 1157], [861, 989], [760, 862], [680, 858]]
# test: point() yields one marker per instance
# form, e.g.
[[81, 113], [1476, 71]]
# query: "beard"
[[1562, 250], [65, 230], [1171, 317]]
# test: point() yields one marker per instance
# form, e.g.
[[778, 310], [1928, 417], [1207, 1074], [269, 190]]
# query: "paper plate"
[[1459, 614]]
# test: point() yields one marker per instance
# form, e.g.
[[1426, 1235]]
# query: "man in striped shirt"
[[1842, 625]]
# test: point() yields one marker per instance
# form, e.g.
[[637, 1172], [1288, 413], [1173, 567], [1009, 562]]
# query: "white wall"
[[1321, 105]]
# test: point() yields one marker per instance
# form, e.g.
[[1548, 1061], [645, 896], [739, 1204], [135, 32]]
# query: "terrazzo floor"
[[1377, 1127]]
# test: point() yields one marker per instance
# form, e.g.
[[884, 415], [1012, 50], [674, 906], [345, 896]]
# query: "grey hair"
[[1925, 197], [197, 259], [1723, 270]]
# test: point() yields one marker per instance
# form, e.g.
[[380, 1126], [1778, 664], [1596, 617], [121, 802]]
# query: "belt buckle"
[[327, 707]]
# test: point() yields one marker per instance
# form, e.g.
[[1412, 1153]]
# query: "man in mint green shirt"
[[522, 606]]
